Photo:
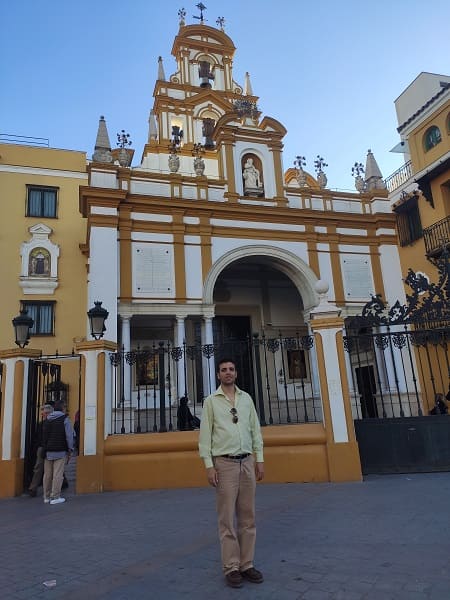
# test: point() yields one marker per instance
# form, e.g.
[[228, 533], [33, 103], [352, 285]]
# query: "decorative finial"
[[299, 163], [201, 7], [182, 17], [357, 171], [220, 22], [123, 139], [198, 150], [319, 165]]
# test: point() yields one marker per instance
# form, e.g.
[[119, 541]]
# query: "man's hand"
[[213, 476], [259, 470]]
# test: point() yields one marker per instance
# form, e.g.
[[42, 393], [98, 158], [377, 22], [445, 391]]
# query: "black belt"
[[236, 457]]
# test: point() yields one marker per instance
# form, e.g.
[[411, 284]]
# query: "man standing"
[[38, 470], [58, 447], [229, 437]]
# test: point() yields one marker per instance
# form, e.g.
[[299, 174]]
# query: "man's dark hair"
[[60, 405], [223, 360]]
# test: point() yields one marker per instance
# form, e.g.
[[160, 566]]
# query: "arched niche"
[[39, 268], [252, 174]]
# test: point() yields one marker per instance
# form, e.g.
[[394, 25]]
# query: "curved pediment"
[[290, 179], [202, 36], [271, 124]]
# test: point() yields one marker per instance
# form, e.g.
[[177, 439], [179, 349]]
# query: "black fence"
[[396, 371], [148, 384]]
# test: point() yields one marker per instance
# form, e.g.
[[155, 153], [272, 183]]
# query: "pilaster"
[[342, 449], [95, 412]]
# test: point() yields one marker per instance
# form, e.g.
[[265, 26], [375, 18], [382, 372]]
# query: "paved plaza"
[[385, 538]]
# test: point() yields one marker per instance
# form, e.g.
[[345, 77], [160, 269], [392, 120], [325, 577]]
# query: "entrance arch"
[[301, 275]]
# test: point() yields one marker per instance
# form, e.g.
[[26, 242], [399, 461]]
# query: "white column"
[[7, 433], [209, 339], [180, 339], [126, 347]]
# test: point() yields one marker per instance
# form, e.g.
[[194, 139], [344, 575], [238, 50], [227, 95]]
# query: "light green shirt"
[[219, 435]]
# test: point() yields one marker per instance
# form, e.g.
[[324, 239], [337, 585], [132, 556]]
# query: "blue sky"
[[329, 71]]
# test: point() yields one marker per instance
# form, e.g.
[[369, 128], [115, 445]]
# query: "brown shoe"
[[234, 579], [252, 575]]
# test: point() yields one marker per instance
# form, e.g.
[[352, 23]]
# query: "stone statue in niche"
[[39, 263], [252, 179], [207, 131]]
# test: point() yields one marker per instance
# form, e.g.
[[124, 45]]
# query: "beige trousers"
[[38, 470], [235, 499], [53, 477]]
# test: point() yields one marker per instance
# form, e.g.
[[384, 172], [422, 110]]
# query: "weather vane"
[[220, 22], [201, 7]]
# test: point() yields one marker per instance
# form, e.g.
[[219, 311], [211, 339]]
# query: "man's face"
[[227, 373]]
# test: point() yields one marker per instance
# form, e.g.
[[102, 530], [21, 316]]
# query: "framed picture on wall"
[[296, 361], [147, 370]]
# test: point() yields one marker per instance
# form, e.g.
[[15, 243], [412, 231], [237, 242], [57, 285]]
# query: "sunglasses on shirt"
[[233, 411]]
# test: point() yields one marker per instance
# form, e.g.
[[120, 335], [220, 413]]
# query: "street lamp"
[[22, 326], [97, 317]]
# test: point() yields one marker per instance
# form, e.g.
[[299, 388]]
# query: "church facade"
[[209, 246]]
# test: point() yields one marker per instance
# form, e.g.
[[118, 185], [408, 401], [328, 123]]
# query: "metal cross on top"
[[201, 8]]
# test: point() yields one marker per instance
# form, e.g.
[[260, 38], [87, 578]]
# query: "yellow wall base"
[[89, 474], [293, 453], [344, 462], [11, 477]]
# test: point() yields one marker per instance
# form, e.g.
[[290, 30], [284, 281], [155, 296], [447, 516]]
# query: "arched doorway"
[[267, 292]]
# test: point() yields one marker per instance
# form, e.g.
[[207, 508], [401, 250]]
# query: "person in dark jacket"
[[186, 421], [57, 437], [38, 470], [440, 407]]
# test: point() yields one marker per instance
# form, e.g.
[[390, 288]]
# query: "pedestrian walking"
[[38, 470], [231, 445], [57, 440]]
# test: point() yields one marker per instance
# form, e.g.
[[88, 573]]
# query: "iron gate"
[[279, 372], [398, 361], [46, 384]]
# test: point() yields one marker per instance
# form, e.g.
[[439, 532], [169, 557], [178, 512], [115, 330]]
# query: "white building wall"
[[222, 245], [103, 275], [326, 272], [193, 262], [392, 274]]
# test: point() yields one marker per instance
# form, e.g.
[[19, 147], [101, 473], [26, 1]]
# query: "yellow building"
[[42, 272], [420, 196], [206, 246]]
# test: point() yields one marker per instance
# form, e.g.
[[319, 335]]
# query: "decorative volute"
[[374, 178]]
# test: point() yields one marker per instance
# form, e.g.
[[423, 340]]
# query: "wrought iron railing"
[[280, 373], [397, 372], [437, 236], [399, 177], [399, 355]]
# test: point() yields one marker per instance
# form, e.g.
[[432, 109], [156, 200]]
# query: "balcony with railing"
[[399, 177], [437, 237]]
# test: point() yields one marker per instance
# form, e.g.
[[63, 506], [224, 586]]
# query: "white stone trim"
[[302, 276], [46, 172]]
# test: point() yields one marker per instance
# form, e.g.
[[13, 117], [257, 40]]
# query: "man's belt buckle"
[[237, 457]]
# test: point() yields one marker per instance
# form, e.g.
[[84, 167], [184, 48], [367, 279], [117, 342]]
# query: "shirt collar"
[[220, 392]]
